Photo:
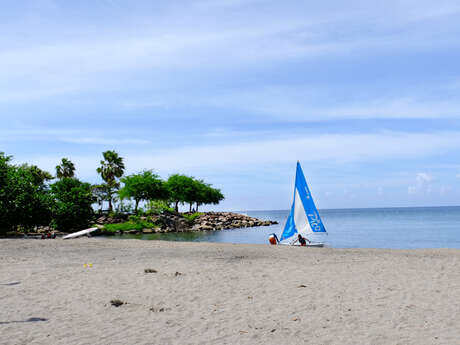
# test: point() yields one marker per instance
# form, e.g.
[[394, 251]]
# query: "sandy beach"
[[225, 294]]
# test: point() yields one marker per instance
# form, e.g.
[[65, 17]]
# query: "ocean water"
[[401, 228]]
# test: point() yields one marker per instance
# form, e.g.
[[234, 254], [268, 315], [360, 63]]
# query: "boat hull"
[[79, 233], [315, 245]]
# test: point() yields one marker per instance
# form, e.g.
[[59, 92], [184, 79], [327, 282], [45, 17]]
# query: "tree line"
[[31, 197]]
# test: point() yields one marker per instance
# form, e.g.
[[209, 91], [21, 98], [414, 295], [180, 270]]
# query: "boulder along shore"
[[177, 222], [165, 222]]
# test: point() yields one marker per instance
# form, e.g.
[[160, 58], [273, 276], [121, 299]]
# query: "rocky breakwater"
[[226, 220], [177, 222]]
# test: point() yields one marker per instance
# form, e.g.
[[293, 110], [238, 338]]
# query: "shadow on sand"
[[30, 319]]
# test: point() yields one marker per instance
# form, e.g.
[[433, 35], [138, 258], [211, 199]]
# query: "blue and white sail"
[[304, 218]]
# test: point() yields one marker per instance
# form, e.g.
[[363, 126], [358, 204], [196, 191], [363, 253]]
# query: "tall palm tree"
[[65, 169], [112, 168]]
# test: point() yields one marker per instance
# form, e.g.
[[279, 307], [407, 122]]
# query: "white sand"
[[226, 294]]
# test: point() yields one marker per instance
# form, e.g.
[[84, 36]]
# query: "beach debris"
[[296, 319], [244, 332], [117, 302], [150, 270], [273, 330], [302, 286], [177, 274], [87, 265], [159, 310], [35, 319]]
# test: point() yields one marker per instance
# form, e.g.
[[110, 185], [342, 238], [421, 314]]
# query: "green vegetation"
[[158, 207], [145, 186], [208, 195], [111, 169], [130, 225], [184, 189], [179, 188], [71, 209], [31, 197], [100, 194], [24, 198], [65, 169], [193, 216]]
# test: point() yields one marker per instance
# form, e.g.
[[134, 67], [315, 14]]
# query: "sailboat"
[[304, 218]]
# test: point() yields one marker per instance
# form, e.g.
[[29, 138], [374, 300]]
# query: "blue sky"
[[364, 93]]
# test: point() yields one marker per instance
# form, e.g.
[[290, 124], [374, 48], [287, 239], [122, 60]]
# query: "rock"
[[206, 228], [175, 222]]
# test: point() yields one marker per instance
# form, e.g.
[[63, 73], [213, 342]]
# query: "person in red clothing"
[[273, 239]]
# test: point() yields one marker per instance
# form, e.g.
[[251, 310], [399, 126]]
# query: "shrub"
[[72, 207], [193, 216], [130, 225], [159, 207]]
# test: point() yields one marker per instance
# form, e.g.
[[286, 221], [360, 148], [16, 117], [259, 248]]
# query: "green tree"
[[100, 194], [208, 195], [65, 169], [180, 189], [111, 169], [24, 197], [6, 199], [72, 207], [145, 186], [193, 191]]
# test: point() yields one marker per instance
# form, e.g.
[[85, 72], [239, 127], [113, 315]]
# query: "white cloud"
[[422, 184], [313, 148], [250, 155], [423, 178]]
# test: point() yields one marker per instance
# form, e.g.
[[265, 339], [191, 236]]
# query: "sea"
[[398, 228]]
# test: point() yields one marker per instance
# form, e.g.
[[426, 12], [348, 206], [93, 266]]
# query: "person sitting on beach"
[[302, 240]]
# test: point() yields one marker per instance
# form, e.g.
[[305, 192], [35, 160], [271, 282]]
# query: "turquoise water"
[[403, 228]]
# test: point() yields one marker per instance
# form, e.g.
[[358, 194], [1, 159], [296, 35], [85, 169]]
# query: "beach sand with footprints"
[[108, 291]]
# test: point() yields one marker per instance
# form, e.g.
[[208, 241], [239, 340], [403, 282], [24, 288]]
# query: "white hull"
[[315, 244], [79, 233]]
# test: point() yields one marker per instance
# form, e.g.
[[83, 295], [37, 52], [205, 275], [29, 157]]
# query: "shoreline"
[[225, 293]]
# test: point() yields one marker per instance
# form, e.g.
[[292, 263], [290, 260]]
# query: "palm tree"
[[112, 168], [65, 169]]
